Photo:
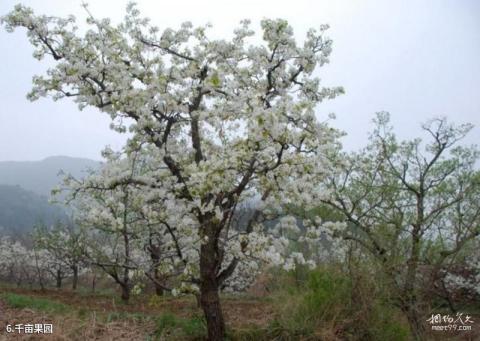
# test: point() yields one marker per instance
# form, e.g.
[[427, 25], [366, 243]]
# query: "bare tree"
[[411, 206]]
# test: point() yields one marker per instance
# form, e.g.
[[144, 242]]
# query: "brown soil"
[[239, 313]]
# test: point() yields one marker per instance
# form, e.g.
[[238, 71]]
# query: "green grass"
[[178, 328], [307, 304], [99, 292], [40, 304], [325, 301], [127, 316], [6, 285]]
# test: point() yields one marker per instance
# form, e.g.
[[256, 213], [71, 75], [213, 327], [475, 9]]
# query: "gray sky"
[[415, 59]]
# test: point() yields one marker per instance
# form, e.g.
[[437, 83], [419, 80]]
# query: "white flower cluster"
[[21, 265], [469, 279]]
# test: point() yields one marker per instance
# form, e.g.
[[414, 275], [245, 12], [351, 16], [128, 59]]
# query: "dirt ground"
[[239, 313], [67, 328]]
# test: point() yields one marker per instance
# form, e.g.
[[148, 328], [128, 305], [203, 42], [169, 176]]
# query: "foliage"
[[330, 305], [411, 206]]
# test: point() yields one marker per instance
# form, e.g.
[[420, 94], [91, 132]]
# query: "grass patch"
[[127, 316], [36, 303], [177, 328], [326, 304], [99, 292]]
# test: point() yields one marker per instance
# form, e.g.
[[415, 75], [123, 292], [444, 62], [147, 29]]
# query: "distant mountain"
[[25, 187], [21, 210], [42, 176]]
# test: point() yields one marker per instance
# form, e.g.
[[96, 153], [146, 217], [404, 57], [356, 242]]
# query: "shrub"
[[330, 304]]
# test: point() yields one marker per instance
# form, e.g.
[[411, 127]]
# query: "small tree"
[[413, 207], [66, 245], [21, 265], [229, 121], [107, 205]]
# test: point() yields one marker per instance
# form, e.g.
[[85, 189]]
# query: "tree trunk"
[[158, 280], [75, 277], [158, 290], [126, 270], [209, 288], [59, 279], [417, 328], [210, 301], [197, 299], [40, 280], [125, 293], [410, 294], [94, 281]]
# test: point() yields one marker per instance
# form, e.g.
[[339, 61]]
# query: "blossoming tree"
[[20, 265], [66, 245], [113, 210], [228, 120]]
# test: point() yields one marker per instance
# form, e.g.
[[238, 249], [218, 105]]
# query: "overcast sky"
[[415, 59]]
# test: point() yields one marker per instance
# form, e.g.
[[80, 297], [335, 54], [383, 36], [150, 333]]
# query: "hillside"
[[20, 210], [25, 187], [41, 176]]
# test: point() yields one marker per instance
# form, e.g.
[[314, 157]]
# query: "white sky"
[[415, 59]]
